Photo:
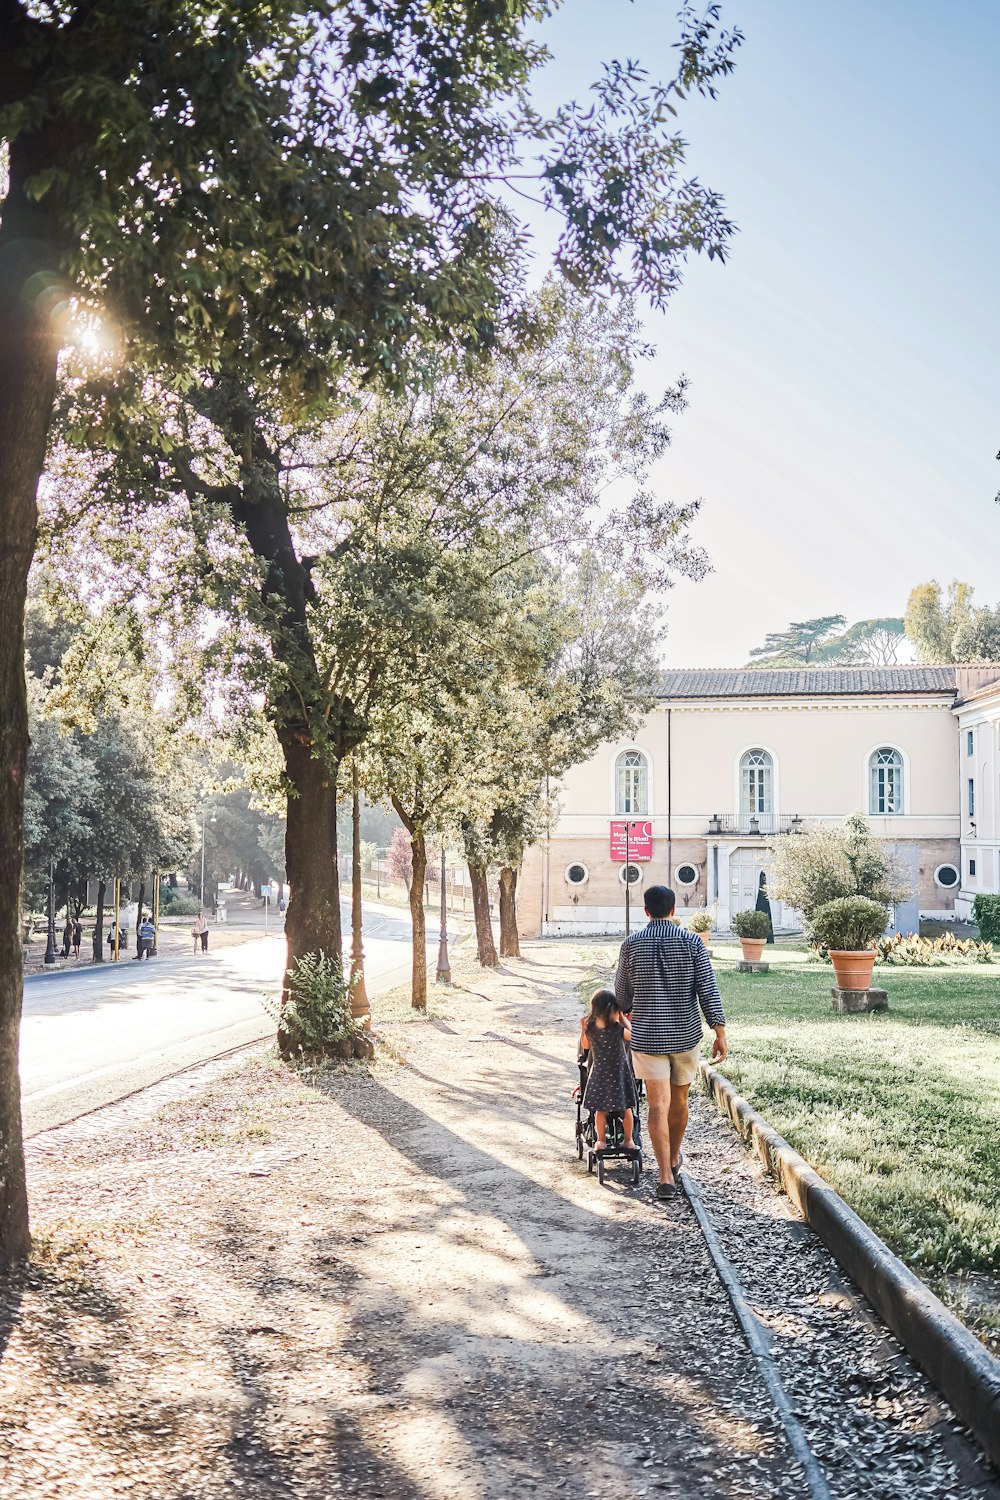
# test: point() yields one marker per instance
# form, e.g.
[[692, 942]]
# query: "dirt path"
[[398, 1282]]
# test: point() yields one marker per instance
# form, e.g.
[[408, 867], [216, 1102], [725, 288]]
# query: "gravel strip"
[[875, 1422]]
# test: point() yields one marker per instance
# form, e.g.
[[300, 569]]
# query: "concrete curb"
[[963, 1370]]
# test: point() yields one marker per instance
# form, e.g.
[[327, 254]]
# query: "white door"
[[744, 882], [746, 866]]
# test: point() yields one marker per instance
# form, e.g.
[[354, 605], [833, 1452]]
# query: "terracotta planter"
[[752, 949], [853, 970]]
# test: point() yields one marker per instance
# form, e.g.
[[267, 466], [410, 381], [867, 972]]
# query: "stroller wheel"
[[590, 1161], [600, 1169], [636, 1171], [579, 1147]]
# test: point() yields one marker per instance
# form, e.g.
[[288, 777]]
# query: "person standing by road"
[[200, 933], [665, 979], [147, 938], [77, 937]]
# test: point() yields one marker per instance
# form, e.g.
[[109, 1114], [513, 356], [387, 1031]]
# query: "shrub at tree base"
[[919, 952], [317, 1013], [851, 924], [751, 924], [702, 922], [986, 915]]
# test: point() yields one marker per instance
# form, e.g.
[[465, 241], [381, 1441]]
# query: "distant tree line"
[[940, 626]]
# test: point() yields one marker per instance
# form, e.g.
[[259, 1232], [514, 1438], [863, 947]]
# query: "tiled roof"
[[805, 682]]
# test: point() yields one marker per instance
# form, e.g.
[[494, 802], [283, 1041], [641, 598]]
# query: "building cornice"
[[799, 705]]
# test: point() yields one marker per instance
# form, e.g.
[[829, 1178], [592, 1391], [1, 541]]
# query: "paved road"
[[92, 1036]]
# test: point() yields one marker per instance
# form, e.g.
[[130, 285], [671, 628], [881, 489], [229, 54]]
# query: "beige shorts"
[[667, 1067]]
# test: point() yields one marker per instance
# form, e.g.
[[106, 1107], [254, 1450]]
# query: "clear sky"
[[845, 363]]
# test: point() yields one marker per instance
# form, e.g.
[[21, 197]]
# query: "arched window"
[[756, 782], [885, 769], [631, 784]]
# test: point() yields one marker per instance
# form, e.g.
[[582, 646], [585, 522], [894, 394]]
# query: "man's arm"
[[710, 1000], [623, 982]]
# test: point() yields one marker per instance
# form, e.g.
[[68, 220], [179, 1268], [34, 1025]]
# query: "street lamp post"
[[201, 892], [204, 813], [50, 947], [443, 975], [360, 1006], [628, 876]]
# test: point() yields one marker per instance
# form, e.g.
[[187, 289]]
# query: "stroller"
[[586, 1130]]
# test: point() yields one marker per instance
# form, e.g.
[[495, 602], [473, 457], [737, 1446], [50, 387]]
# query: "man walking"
[[665, 979]]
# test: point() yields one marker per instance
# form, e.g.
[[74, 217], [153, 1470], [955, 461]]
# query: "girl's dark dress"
[[610, 1084]]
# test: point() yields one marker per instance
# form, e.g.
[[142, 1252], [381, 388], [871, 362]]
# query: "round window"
[[686, 875], [946, 876], [634, 874], [577, 874]]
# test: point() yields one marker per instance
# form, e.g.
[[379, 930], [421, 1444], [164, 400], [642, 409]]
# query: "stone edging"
[[963, 1370]]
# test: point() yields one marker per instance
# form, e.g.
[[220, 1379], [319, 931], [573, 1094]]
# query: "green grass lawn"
[[899, 1111]]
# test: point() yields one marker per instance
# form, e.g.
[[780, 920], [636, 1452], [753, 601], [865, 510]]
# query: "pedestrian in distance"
[[200, 933], [67, 941], [604, 1032], [77, 937], [146, 939], [665, 981]]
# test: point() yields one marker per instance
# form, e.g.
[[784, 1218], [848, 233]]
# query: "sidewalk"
[[398, 1281], [245, 919]]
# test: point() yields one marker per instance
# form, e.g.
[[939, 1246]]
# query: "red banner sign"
[[631, 840]]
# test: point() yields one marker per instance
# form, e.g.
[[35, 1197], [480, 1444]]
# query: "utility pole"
[[443, 975], [628, 872]]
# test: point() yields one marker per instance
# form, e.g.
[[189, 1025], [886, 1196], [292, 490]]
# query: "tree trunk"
[[102, 890], [29, 346], [510, 946], [359, 995], [312, 921], [481, 911], [418, 994]]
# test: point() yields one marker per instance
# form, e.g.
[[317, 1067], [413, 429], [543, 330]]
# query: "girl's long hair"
[[602, 1003]]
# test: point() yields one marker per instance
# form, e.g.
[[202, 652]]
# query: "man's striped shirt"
[[663, 976]]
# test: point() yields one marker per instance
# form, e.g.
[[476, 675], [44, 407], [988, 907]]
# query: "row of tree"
[[474, 610], [279, 264], [940, 626], [112, 790]]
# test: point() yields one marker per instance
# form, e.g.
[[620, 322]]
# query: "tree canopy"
[[945, 625], [829, 641]]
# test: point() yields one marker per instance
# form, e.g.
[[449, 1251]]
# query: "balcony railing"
[[764, 825]]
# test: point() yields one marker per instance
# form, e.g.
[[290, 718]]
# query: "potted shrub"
[[849, 928], [701, 925], [751, 927]]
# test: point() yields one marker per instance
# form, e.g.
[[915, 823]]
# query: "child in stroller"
[[607, 1099]]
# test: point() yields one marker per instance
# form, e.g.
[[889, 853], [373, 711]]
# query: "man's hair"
[[659, 900]]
